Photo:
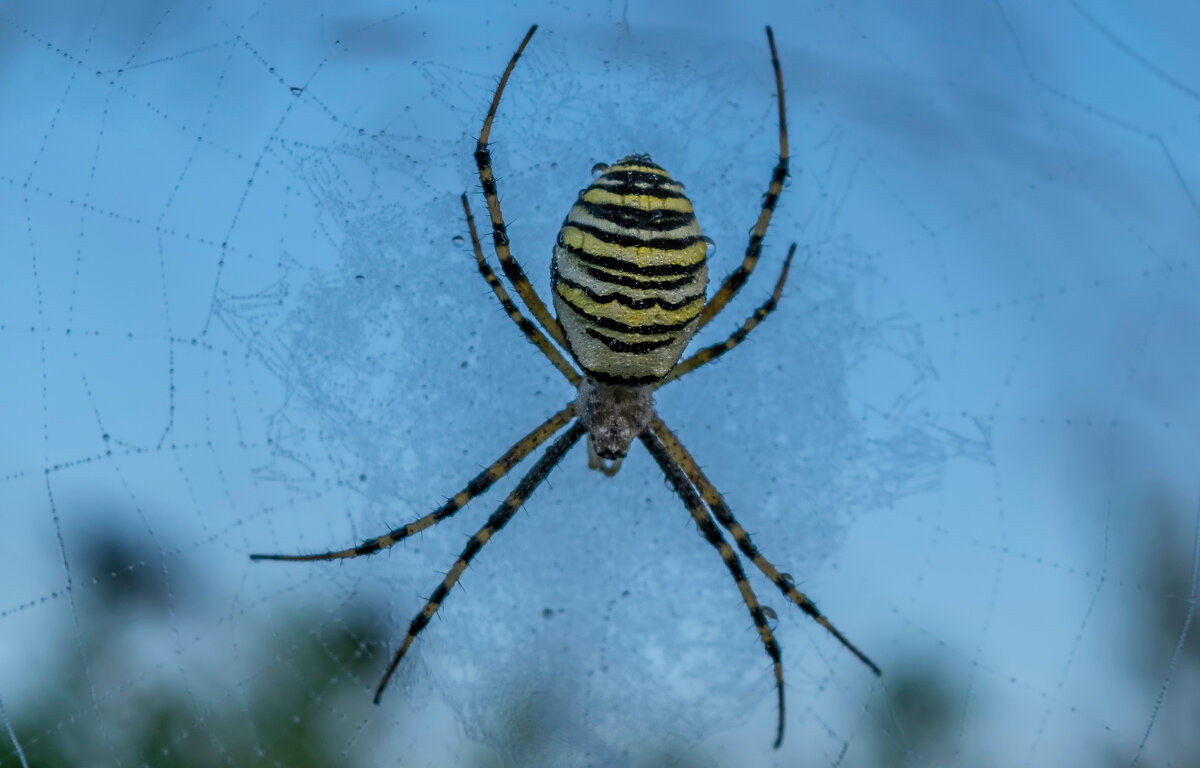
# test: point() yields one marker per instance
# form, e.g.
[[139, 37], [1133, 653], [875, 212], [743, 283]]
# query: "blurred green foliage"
[[290, 713], [169, 726]]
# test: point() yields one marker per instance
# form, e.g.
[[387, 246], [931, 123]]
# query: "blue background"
[[236, 315]]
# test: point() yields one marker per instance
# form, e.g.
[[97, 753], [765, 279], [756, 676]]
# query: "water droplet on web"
[[710, 245], [296, 90], [458, 241], [598, 169]]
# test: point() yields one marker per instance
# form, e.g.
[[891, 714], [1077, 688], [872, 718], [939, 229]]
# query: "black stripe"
[[629, 381], [473, 546], [627, 281], [622, 189], [623, 240], [781, 171], [630, 268], [636, 177], [737, 278], [636, 218], [418, 623], [754, 247], [615, 325], [635, 347], [629, 301], [639, 159]]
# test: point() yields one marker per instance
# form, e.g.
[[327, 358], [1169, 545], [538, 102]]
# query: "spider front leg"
[[737, 278], [710, 532], [483, 161], [494, 523], [478, 485], [680, 455]]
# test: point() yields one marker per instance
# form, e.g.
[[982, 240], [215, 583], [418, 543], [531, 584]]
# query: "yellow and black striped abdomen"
[[629, 273]]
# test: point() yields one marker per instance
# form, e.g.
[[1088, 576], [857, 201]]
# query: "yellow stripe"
[[641, 202], [637, 256], [632, 317]]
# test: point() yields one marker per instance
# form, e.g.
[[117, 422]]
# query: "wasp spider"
[[628, 276]]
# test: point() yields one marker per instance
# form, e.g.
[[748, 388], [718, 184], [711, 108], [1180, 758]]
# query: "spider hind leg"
[[712, 534], [721, 512], [478, 485], [494, 523]]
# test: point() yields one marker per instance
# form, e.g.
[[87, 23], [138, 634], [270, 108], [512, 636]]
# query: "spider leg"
[[711, 353], [483, 160], [709, 530], [529, 329], [712, 497], [738, 277], [494, 523], [478, 485]]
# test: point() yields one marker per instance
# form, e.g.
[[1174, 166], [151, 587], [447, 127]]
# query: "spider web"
[[238, 315]]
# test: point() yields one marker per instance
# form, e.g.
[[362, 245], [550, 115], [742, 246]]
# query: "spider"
[[629, 274]]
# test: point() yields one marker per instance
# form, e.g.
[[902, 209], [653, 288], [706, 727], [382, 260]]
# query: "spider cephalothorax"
[[629, 275], [614, 414]]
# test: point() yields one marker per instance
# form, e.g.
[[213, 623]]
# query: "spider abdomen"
[[629, 273]]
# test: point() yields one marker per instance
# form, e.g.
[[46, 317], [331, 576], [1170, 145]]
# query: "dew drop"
[[711, 246], [788, 578], [772, 617], [296, 90], [562, 241], [656, 215], [458, 241], [598, 169]]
